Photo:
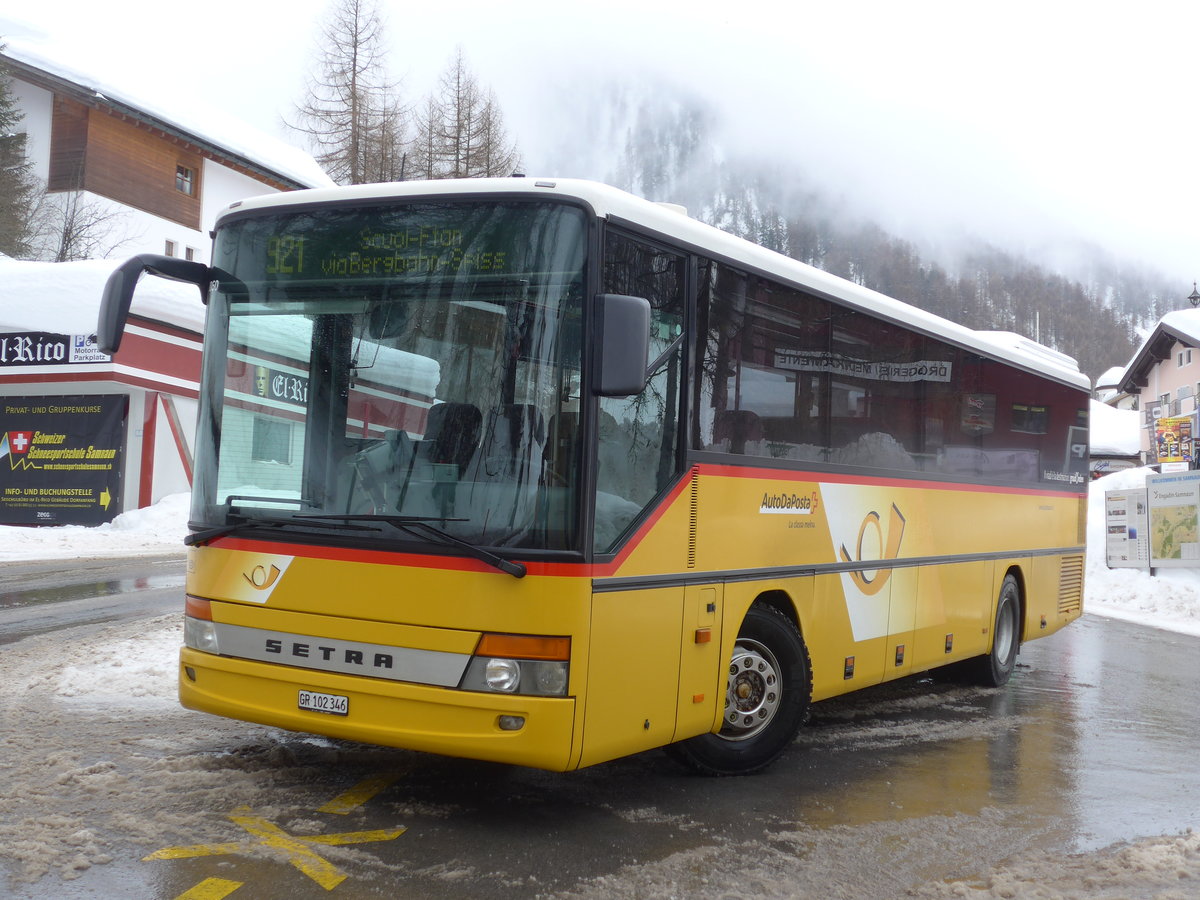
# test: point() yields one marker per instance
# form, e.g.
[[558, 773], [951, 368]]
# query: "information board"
[[1174, 503], [1126, 522], [61, 459]]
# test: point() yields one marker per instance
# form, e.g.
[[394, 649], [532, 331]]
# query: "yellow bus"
[[539, 472]]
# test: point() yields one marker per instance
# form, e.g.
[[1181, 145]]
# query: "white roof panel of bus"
[[608, 201]]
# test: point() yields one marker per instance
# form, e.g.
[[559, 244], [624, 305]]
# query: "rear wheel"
[[767, 693], [994, 669]]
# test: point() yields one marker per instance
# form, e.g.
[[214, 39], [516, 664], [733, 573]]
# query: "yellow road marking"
[[295, 847], [197, 850], [358, 795], [211, 889]]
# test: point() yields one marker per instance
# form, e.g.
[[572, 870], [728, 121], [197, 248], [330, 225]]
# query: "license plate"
[[333, 704]]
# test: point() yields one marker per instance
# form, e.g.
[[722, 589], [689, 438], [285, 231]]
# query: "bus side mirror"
[[623, 347], [118, 291]]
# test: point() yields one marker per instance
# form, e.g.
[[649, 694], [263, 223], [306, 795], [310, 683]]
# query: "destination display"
[[61, 459], [420, 240]]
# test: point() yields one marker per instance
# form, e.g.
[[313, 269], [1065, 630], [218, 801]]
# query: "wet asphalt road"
[[37, 597], [1093, 742]]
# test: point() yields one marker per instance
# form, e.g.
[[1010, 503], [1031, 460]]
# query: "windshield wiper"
[[244, 521], [195, 538], [418, 525]]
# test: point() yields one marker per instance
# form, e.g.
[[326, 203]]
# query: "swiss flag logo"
[[19, 441]]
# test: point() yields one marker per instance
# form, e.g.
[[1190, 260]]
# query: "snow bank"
[[1169, 599], [157, 529]]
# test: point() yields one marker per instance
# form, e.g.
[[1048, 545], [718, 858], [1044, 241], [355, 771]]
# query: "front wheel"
[[767, 694]]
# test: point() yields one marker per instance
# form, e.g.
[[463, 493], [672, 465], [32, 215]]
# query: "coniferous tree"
[[18, 187]]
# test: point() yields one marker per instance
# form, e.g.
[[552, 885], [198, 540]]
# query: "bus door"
[[634, 658]]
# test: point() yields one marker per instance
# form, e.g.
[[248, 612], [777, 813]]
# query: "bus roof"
[[668, 220]]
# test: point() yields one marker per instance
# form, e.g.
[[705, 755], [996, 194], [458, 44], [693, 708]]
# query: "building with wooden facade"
[[85, 436]]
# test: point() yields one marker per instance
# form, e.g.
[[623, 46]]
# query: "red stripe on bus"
[[599, 570]]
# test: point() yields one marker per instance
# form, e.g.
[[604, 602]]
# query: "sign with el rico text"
[[41, 348]]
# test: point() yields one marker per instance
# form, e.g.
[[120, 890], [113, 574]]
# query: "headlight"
[[546, 678], [200, 634], [502, 674]]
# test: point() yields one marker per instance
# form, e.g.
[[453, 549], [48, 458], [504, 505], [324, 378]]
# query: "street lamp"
[[1194, 296]]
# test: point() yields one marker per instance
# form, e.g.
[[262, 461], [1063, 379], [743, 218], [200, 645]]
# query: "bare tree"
[[426, 151], [495, 155], [71, 225], [460, 130], [351, 112]]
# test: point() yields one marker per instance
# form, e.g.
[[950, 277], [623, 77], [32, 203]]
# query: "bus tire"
[[994, 668], [768, 689]]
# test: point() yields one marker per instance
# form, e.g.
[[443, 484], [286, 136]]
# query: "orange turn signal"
[[524, 646], [198, 608]]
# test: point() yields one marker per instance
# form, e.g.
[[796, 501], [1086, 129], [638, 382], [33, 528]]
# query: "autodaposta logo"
[[788, 503]]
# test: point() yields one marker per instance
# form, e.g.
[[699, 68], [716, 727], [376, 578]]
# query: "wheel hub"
[[752, 694]]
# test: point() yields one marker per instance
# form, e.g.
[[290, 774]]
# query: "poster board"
[[1173, 443], [1126, 529], [62, 459], [1174, 504]]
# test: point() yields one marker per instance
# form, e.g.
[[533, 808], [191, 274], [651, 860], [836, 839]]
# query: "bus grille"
[[1070, 585]]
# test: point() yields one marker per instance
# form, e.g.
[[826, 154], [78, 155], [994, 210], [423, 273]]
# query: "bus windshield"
[[396, 363]]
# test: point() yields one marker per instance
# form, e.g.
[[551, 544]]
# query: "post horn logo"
[[891, 550], [260, 578]]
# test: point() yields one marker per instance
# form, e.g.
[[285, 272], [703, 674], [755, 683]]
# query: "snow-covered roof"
[[205, 124], [1114, 432], [1110, 378], [1182, 325], [64, 298]]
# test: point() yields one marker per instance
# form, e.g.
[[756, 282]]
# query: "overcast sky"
[[1030, 122]]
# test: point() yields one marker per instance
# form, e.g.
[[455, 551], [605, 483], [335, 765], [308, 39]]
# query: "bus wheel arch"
[[995, 667], [767, 695], [1018, 576]]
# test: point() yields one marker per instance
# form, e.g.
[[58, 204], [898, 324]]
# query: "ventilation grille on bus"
[[1070, 585], [693, 516]]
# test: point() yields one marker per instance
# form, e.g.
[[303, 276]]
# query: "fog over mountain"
[[665, 142]]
